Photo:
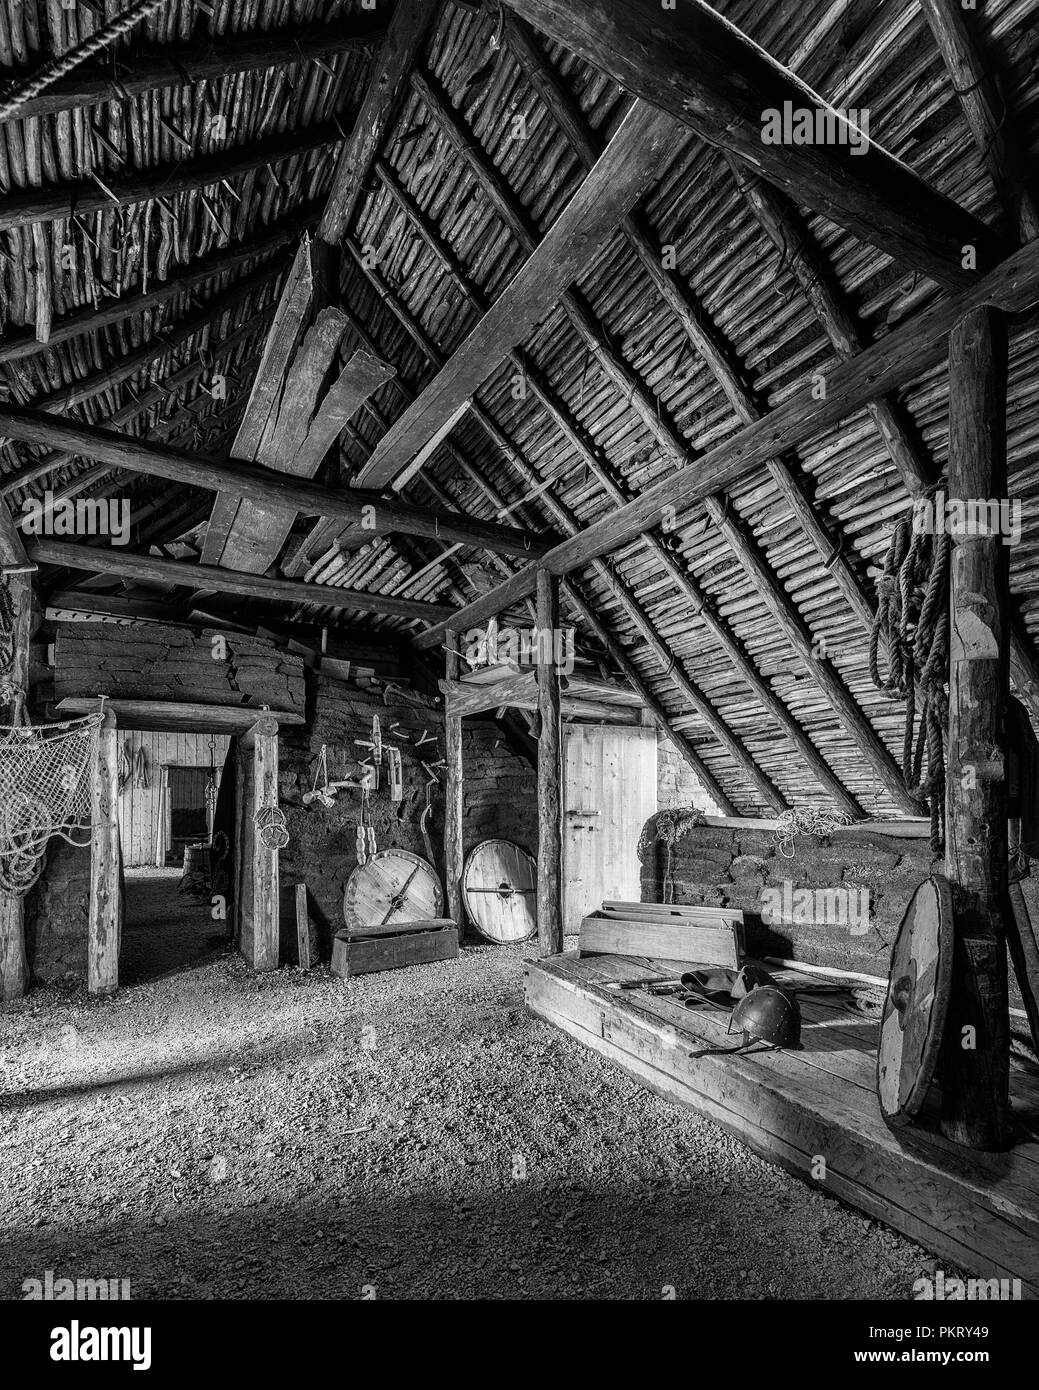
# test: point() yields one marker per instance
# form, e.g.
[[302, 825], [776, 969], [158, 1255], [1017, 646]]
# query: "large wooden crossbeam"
[[910, 349], [150, 569], [707, 73], [262, 485]]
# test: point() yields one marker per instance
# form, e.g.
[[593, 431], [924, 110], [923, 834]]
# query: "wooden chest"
[[364, 950]]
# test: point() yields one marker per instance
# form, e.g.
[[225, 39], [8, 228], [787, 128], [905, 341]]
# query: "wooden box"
[[364, 950], [678, 934]]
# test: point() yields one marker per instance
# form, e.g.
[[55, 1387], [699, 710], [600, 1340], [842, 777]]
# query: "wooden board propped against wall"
[[297, 410]]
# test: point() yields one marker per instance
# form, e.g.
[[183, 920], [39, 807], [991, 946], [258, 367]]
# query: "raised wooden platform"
[[977, 1210]]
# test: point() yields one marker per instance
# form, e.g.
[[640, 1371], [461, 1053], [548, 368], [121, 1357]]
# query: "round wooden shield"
[[917, 1002], [394, 886], [499, 887]]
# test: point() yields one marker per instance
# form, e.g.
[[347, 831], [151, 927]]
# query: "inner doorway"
[[169, 784]]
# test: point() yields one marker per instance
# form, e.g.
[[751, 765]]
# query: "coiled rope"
[[60, 66], [912, 624]]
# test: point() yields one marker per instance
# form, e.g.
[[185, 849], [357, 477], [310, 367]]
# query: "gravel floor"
[[218, 1134]]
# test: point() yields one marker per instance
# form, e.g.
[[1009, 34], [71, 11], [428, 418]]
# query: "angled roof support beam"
[[712, 77]]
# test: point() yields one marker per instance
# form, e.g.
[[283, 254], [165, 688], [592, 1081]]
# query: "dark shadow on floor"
[[165, 930]]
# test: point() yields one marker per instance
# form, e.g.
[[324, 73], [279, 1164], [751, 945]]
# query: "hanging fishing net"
[[45, 785]]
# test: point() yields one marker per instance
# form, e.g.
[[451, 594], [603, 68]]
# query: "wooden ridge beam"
[[695, 64], [635, 157], [148, 568], [23, 343], [908, 350], [263, 485], [55, 201], [134, 73]]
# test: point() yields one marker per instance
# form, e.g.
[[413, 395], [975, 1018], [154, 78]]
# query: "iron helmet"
[[768, 1014]]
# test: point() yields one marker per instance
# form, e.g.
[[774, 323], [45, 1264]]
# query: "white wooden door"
[[609, 792]]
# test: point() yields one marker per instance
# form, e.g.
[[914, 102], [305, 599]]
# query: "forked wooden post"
[[260, 918], [550, 813], [975, 1064], [105, 912], [453, 796]]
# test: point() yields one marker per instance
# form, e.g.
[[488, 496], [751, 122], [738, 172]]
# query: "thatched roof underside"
[[147, 372]]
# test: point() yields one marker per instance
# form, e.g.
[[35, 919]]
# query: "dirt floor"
[[166, 929], [219, 1134]]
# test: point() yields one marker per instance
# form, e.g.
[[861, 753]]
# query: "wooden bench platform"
[[977, 1210]]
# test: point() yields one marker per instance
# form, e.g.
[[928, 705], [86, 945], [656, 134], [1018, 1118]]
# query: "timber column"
[[453, 807], [975, 1062], [16, 577], [550, 836]]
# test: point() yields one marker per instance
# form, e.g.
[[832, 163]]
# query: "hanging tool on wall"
[[374, 743], [396, 774], [366, 845]]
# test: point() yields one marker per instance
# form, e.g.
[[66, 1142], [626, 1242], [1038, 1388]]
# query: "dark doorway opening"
[[166, 928]]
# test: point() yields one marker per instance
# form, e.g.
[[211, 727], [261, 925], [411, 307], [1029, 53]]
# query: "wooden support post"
[[260, 916], [302, 926], [453, 798], [550, 810], [976, 1053], [14, 970], [105, 914]]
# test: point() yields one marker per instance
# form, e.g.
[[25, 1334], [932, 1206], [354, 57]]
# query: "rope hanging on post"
[[64, 63], [912, 623]]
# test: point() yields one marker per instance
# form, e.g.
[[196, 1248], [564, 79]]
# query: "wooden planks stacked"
[[170, 663], [679, 933], [365, 950]]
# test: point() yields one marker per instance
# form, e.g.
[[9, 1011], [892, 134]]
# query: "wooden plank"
[[550, 753], [691, 912], [675, 941], [454, 807], [789, 1113], [105, 905], [210, 578], [697, 65], [260, 743], [975, 1058], [264, 485], [307, 427], [462, 698], [188, 716], [302, 927], [635, 157], [902, 354]]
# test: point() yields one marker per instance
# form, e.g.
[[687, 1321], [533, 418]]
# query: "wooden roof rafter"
[[683, 684], [137, 71]]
